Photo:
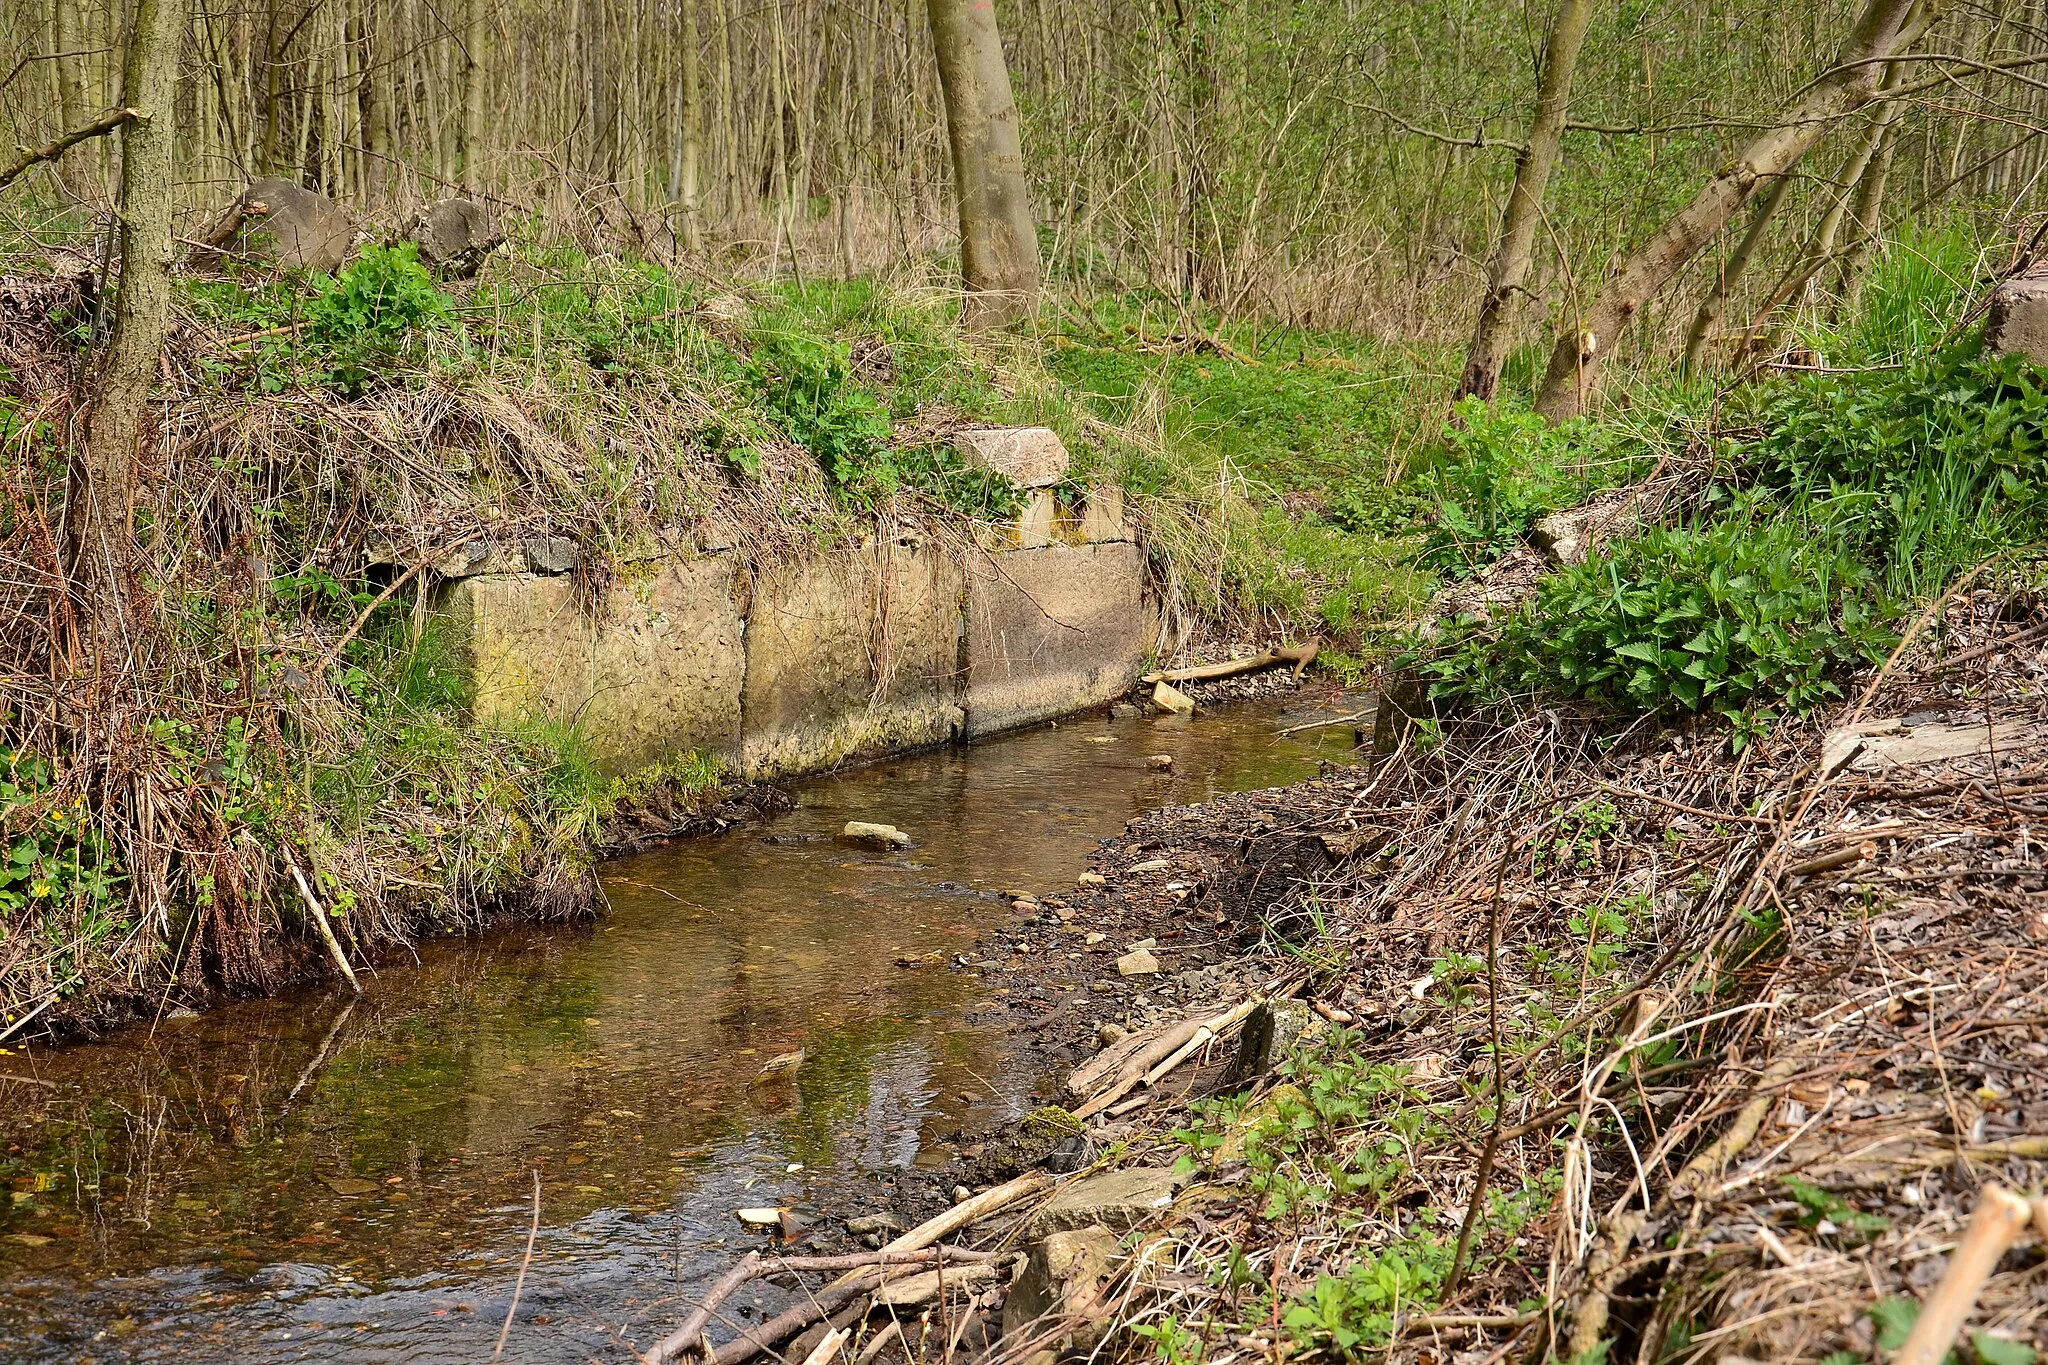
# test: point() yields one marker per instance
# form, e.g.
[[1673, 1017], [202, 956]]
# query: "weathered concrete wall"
[[657, 672], [1053, 630], [798, 666], [851, 655]]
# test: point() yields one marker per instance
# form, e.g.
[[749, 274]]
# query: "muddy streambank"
[[318, 1177], [1633, 1050]]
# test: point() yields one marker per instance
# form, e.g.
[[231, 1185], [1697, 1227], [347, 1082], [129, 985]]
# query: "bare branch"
[[99, 127]]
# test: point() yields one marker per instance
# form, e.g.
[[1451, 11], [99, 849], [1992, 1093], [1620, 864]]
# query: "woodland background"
[[1331, 165]]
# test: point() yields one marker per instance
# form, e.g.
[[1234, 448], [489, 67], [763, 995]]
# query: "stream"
[[321, 1177]]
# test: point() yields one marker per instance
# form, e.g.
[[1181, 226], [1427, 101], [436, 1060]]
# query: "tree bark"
[[1508, 270], [473, 97], [1867, 214], [1573, 376], [690, 112], [67, 34], [1716, 302], [998, 246], [102, 527], [378, 17]]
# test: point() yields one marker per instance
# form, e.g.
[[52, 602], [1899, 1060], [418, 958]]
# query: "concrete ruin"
[[803, 664]]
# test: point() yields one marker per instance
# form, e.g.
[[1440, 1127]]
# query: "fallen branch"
[[99, 127], [1301, 656], [326, 930], [751, 1267], [1163, 1054], [2000, 1218], [975, 1209], [1828, 862]]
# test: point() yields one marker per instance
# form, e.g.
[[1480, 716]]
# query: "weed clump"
[[1742, 611]]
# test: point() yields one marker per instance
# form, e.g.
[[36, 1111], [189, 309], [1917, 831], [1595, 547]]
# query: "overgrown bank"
[[327, 441], [1672, 991], [327, 444]]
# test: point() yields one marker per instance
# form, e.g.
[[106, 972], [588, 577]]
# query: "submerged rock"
[[871, 835]]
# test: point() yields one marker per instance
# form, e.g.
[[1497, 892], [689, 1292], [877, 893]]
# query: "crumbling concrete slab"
[[851, 655], [1118, 1200], [1901, 742], [1030, 457], [1054, 630], [656, 673], [1064, 1279], [1568, 537]]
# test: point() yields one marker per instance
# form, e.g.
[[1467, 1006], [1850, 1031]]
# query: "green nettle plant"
[[1925, 469], [1717, 619], [1503, 467], [359, 321], [808, 386]]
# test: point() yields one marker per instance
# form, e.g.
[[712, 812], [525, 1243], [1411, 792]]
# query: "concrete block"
[[1032, 529], [850, 655], [1052, 631], [656, 673], [1063, 1280], [1032, 457], [2017, 323], [1102, 516], [1118, 1200]]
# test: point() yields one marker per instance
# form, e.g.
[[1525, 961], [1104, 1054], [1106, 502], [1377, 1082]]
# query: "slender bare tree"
[[1508, 269], [1883, 30], [998, 246], [1716, 301], [102, 526], [690, 114]]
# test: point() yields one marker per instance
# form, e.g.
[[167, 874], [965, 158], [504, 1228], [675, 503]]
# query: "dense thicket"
[[1334, 163]]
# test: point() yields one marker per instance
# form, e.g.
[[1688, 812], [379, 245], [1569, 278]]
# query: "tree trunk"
[[1508, 270], [690, 112], [1716, 302], [1868, 213], [102, 529], [67, 32], [378, 18], [473, 98], [998, 246], [1573, 376]]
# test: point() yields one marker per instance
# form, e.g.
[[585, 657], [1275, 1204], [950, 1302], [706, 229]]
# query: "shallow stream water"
[[327, 1178]]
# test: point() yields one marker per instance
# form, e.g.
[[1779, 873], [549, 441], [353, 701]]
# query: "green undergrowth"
[[1833, 504], [1276, 461]]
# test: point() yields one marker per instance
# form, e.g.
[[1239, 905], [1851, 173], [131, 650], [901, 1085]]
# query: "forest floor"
[[1734, 1042]]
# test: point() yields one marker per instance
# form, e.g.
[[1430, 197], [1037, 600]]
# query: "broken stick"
[[2000, 1218]]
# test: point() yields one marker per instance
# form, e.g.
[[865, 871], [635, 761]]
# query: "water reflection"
[[323, 1176]]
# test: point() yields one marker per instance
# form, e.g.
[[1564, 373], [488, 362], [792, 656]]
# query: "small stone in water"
[[874, 835], [759, 1218], [1159, 762], [1092, 879]]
